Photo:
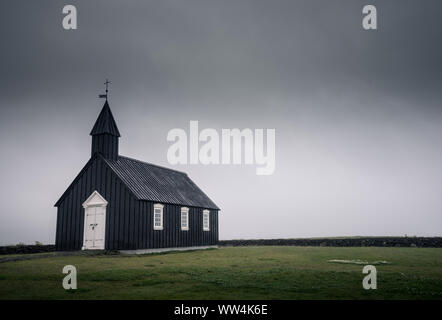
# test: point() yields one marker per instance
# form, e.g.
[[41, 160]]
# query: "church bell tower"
[[105, 133]]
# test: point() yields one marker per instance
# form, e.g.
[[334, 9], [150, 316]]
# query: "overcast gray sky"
[[357, 113]]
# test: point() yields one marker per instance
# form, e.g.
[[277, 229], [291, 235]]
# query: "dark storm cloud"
[[357, 112], [211, 45]]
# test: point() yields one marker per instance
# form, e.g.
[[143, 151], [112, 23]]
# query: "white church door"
[[94, 222]]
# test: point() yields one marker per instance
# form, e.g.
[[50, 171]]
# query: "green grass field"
[[231, 273]]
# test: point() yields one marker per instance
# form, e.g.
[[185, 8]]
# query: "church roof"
[[151, 182], [159, 184], [105, 123]]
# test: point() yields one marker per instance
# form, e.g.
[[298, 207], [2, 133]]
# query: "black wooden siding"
[[105, 144], [128, 220]]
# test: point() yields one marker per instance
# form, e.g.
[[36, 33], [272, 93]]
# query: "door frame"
[[94, 200]]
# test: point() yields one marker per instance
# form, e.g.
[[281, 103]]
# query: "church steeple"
[[105, 134]]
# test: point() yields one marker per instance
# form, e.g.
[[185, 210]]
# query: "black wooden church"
[[119, 203]]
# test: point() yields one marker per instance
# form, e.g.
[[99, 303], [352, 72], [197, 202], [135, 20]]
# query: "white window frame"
[[206, 213], [160, 207], [184, 211]]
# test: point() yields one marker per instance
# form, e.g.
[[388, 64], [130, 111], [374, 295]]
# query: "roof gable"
[[94, 159], [79, 175]]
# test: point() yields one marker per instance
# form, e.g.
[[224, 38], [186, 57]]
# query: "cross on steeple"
[[106, 83], [107, 90]]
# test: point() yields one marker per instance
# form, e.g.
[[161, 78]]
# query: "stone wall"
[[21, 249], [430, 242], [435, 242]]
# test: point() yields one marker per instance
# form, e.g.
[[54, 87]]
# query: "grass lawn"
[[231, 273]]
